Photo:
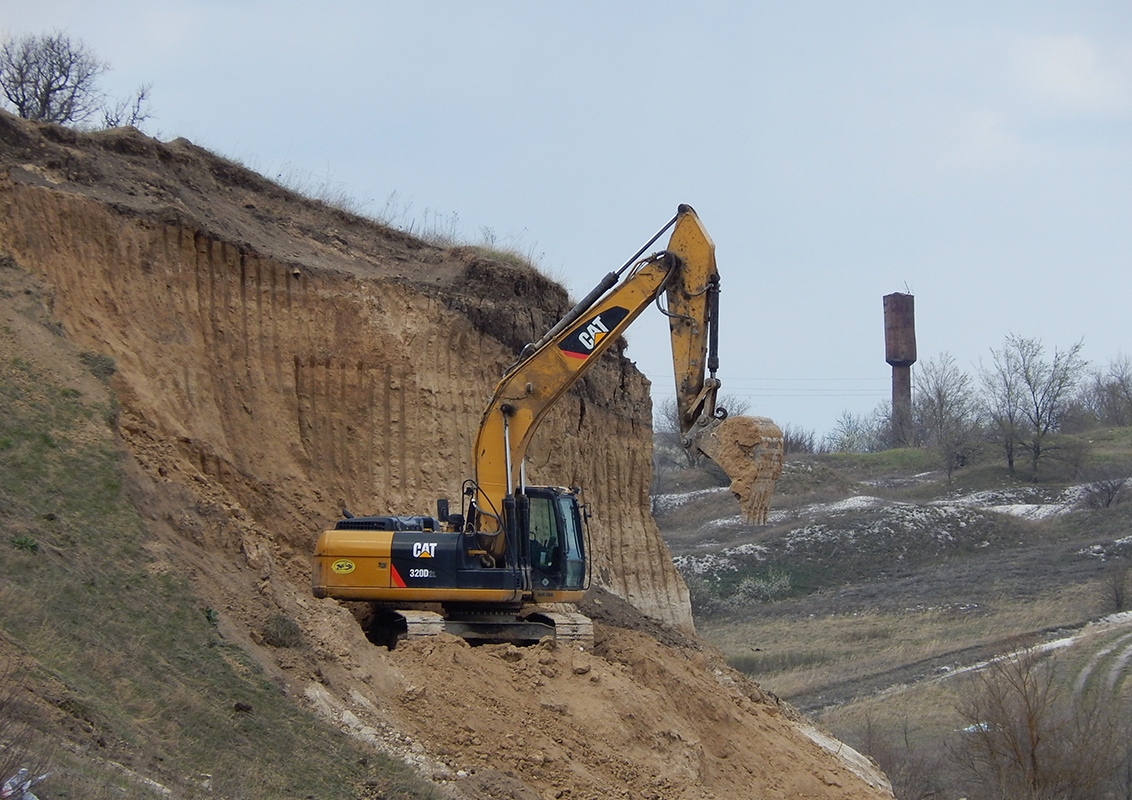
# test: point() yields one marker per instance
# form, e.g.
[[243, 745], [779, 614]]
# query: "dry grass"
[[817, 661], [133, 681], [891, 603]]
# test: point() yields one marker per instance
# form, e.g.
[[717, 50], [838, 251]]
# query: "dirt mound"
[[276, 360], [634, 717]]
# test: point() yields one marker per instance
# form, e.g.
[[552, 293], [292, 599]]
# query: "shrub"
[[281, 631], [102, 367], [25, 543]]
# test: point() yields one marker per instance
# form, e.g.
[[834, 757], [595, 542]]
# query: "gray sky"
[[977, 154]]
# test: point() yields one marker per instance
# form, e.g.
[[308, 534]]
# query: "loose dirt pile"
[[635, 717], [277, 360]]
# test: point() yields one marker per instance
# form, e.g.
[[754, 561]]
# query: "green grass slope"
[[113, 675]]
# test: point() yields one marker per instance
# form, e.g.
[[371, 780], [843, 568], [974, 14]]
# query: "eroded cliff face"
[[281, 360]]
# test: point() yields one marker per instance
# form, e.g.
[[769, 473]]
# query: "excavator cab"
[[555, 541]]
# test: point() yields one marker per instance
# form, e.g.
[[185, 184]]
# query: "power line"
[[733, 379], [795, 388]]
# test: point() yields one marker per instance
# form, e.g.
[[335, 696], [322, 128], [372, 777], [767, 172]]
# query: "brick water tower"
[[900, 352]]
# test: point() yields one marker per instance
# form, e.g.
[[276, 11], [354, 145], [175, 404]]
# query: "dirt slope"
[[277, 360]]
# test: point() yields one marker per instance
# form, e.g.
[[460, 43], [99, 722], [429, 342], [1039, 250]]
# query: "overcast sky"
[[977, 154]]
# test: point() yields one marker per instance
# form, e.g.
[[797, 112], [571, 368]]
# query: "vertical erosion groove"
[[242, 309], [402, 451], [385, 423]]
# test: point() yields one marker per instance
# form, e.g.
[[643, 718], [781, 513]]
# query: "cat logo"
[[342, 566], [424, 549], [589, 333], [593, 333]]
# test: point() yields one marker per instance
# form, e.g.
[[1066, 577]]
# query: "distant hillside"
[[876, 581]]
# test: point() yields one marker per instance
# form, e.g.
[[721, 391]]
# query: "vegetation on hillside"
[[113, 675], [1019, 410], [944, 624]]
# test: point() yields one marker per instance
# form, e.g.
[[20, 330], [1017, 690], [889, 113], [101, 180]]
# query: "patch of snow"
[[723, 561], [671, 502], [736, 521], [1024, 503], [1057, 644], [749, 549], [854, 503], [1031, 510], [1119, 618], [710, 564]]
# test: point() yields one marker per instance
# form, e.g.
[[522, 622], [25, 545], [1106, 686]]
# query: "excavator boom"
[[532, 386], [686, 273]]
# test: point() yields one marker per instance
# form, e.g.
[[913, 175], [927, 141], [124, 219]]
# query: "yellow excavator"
[[490, 572]]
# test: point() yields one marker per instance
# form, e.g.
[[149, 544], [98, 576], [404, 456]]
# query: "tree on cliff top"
[[51, 78]]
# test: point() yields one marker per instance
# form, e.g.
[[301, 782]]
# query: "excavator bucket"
[[749, 450]]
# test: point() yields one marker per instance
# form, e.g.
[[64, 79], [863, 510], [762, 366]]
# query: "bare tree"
[[1027, 737], [947, 411], [134, 110], [1108, 487], [861, 433], [1048, 385], [1002, 399], [51, 78], [1114, 587], [1107, 395], [916, 773], [798, 439], [1027, 395]]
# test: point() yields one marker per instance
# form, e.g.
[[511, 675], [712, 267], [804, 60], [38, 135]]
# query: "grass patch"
[[131, 657], [827, 658], [282, 631], [102, 367], [25, 543], [903, 460], [759, 665]]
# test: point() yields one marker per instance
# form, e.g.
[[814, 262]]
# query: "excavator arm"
[[748, 449], [686, 272], [693, 316]]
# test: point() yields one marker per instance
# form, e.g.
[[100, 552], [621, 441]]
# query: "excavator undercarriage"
[[388, 626]]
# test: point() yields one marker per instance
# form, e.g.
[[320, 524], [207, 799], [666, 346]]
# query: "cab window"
[[545, 540]]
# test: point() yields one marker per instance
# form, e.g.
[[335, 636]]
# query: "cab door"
[[545, 553], [555, 545]]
